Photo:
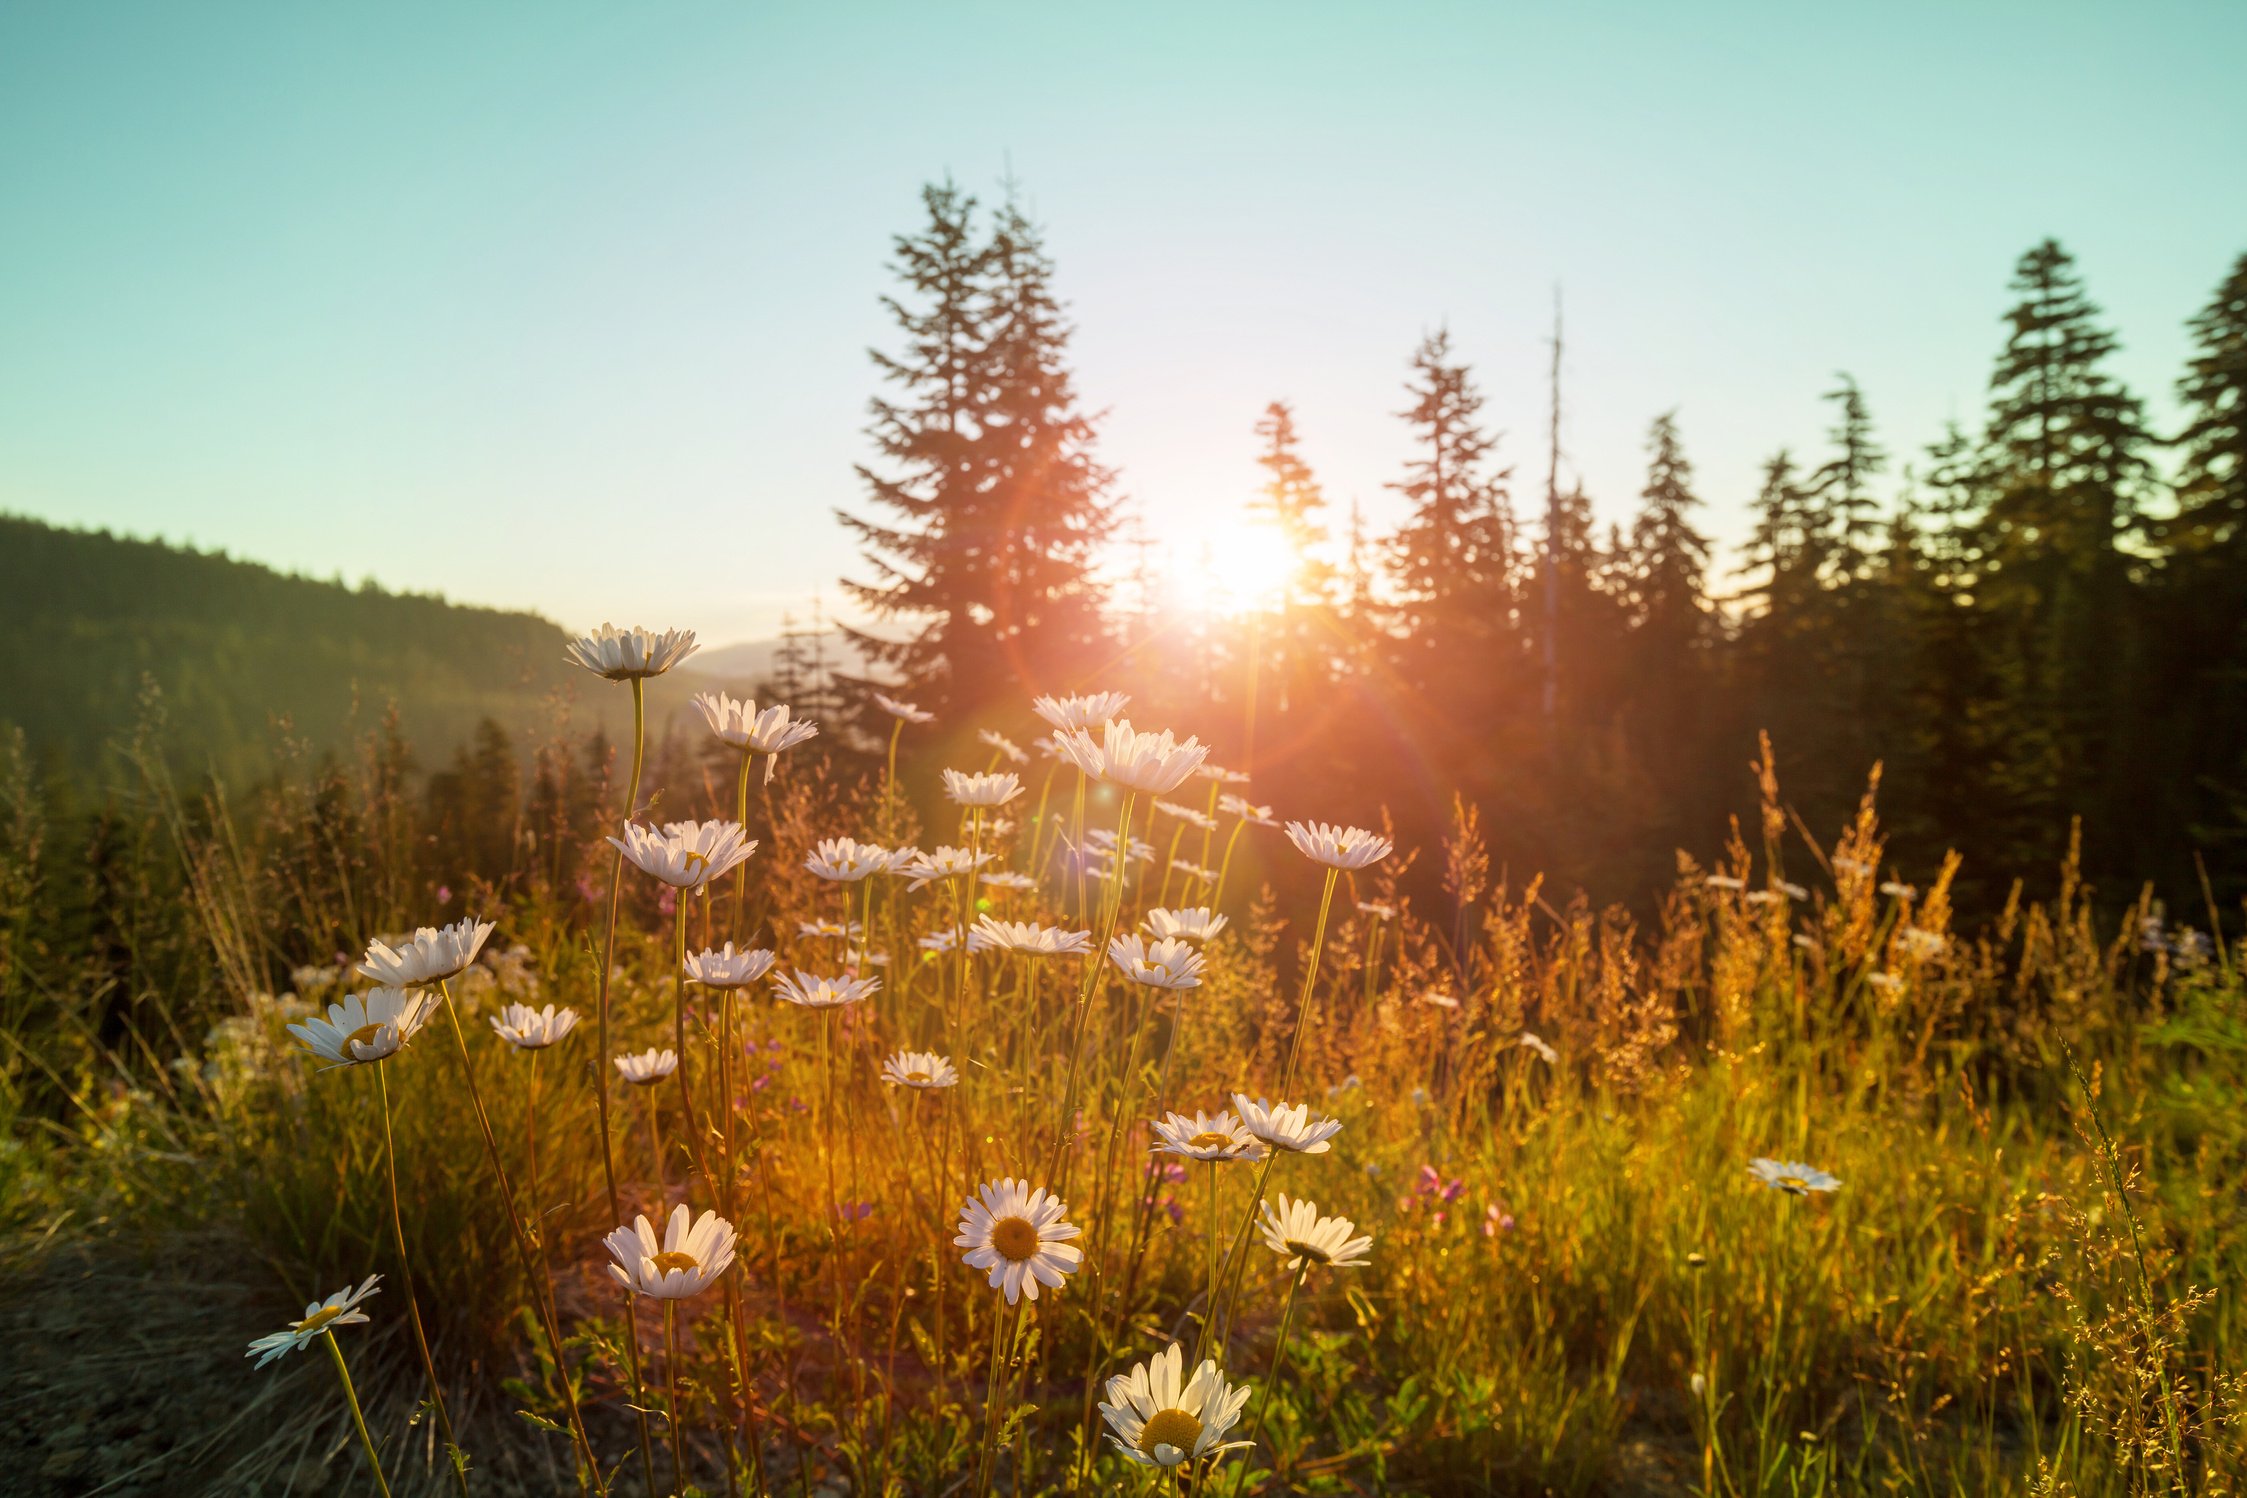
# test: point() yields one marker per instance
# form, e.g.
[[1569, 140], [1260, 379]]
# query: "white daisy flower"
[[1194, 871], [943, 941], [1896, 889], [691, 1256], [1923, 944], [1221, 775], [1157, 762], [1191, 816], [993, 935], [1338, 847], [1203, 1137], [1005, 879], [1006, 746], [685, 855], [1762, 897], [1792, 1176], [741, 725], [995, 789], [1239, 806], [846, 861], [1377, 910], [830, 930], [1166, 963], [1194, 923], [1020, 1236], [369, 1028], [904, 710], [1438, 999], [1885, 982], [1723, 881], [433, 954], [802, 988], [920, 1069], [1528, 1040], [621, 654], [648, 1067], [1102, 842], [901, 861], [528, 1029], [1066, 713], [1285, 1128], [723, 967], [1158, 1419], [1791, 891], [1854, 867], [1296, 1232], [322, 1316], [944, 863]]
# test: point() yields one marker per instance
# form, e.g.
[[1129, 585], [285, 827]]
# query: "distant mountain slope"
[[85, 616]]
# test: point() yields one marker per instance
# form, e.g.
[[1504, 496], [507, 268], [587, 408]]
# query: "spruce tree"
[[2212, 475], [1669, 558], [1291, 503], [1842, 487]]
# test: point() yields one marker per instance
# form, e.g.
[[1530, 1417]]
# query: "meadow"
[[1793, 1186]]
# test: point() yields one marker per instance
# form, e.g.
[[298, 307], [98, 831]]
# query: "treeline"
[[2037, 618]]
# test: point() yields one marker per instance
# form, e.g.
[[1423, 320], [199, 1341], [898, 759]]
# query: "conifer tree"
[[1291, 503], [2212, 475], [1669, 558], [1842, 486]]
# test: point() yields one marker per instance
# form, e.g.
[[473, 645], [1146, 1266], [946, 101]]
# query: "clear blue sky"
[[566, 306]]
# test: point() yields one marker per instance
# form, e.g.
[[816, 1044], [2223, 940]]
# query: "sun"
[[1243, 566]]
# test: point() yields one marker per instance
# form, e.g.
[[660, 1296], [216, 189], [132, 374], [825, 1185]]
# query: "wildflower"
[[1439, 1000], [648, 1067], [944, 863], [1007, 879], [1792, 1176], [1019, 1235], [1247, 811], [1285, 1128], [823, 930], [1203, 1137], [1791, 891], [1885, 982], [434, 954], [1156, 1421], [991, 935], [685, 1263], [1102, 843], [1167, 963], [844, 861], [1194, 923], [902, 860], [1377, 910], [922, 1069], [942, 941], [982, 790], [1338, 847], [741, 725], [854, 1211], [1090, 711], [1004, 745], [802, 988], [1805, 943], [1896, 889], [528, 1029], [1194, 871], [1724, 881], [1191, 816], [1923, 944], [685, 855], [726, 968], [1496, 1220], [1853, 867], [1157, 762], [1222, 776], [1528, 1040], [623, 654], [1432, 1184], [903, 711], [339, 1309], [1295, 1231], [366, 1029]]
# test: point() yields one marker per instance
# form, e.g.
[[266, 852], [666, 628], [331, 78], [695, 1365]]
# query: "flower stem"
[[405, 1273], [351, 1397], [671, 1379], [1310, 982], [1272, 1382]]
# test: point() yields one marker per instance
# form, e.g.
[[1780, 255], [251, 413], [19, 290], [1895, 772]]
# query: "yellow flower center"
[[1308, 1251], [1796, 1184], [1014, 1238], [671, 1259], [1209, 1141], [319, 1318], [917, 1077], [364, 1035], [1170, 1428]]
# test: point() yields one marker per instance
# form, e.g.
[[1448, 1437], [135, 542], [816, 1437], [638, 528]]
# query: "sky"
[[567, 307]]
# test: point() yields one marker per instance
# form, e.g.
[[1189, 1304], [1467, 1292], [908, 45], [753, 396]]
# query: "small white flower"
[[943, 941], [621, 654], [1203, 1137], [1166, 963], [1005, 879], [919, 1069], [1101, 841], [901, 861], [1028, 937], [320, 1317], [944, 863], [845, 861], [1885, 982], [1762, 897], [1192, 923], [802, 988], [1528, 1040], [724, 967], [648, 1067], [1247, 811], [364, 1029], [1194, 871], [828, 930], [1724, 882], [1854, 867], [1157, 762], [691, 1256], [741, 725], [528, 1029], [1792, 1176], [1191, 816], [1296, 1232], [1338, 847], [1896, 889], [995, 789], [1377, 910], [902, 710], [1285, 1128], [1065, 713], [1019, 1236], [1923, 944], [1221, 775], [434, 954], [1791, 891], [1006, 746], [685, 855], [1157, 1418], [1439, 999]]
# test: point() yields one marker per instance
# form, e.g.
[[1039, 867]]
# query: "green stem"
[[351, 1397], [1310, 981], [671, 1379], [1272, 1383], [406, 1275]]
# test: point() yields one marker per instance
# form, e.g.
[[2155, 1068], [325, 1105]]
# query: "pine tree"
[[1669, 558], [2212, 476], [1843, 485], [1291, 503]]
